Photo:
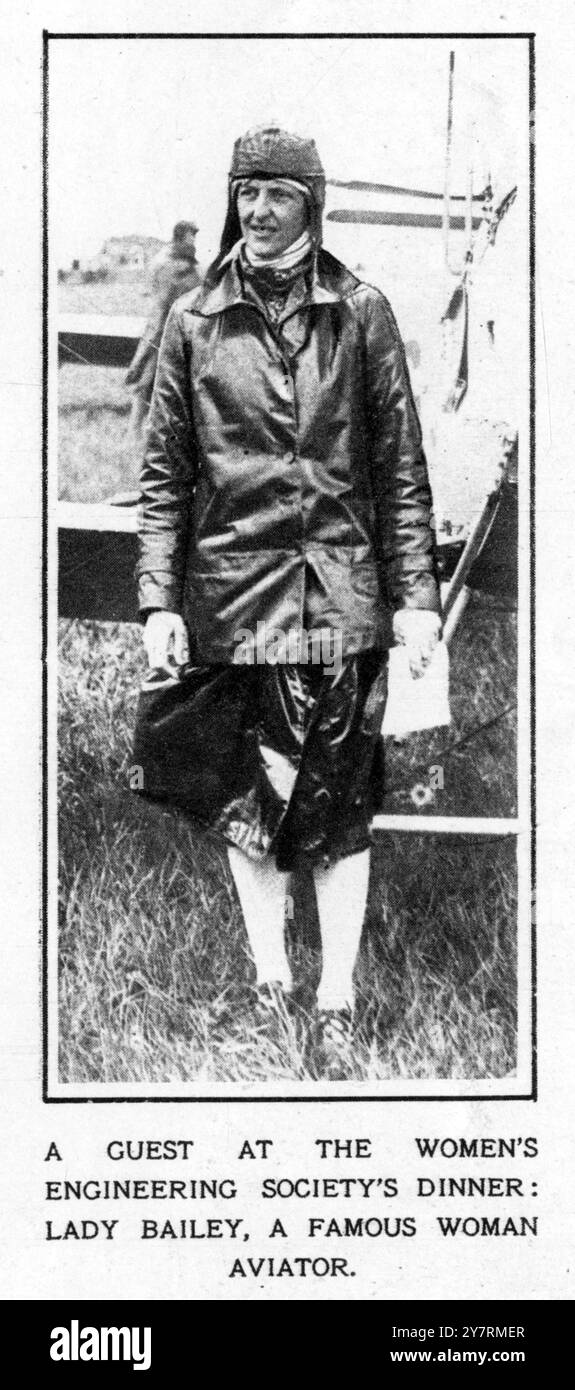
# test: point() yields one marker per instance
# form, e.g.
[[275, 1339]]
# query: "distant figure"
[[174, 271]]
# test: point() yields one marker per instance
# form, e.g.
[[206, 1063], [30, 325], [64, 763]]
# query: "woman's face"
[[272, 216]]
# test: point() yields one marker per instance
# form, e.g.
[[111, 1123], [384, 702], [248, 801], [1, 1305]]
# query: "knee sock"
[[261, 890], [341, 892]]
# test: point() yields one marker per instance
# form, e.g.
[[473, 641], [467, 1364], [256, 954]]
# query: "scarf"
[[272, 280], [291, 259], [293, 256], [273, 286]]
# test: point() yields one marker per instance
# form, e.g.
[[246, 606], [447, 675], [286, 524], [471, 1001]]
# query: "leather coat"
[[284, 479]]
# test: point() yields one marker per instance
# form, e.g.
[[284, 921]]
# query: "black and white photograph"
[[288, 601], [287, 736]]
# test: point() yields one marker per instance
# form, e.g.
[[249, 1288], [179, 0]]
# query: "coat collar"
[[331, 283]]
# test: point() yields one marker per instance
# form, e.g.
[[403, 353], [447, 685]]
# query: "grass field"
[[127, 296], [154, 965]]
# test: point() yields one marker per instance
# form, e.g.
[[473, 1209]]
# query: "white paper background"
[[424, 1266]]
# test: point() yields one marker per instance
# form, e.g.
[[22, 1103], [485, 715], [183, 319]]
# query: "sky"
[[141, 131]]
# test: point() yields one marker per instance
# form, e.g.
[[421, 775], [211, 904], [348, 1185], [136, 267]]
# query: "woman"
[[285, 541]]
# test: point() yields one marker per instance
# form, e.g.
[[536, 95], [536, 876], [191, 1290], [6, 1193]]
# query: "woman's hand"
[[166, 640], [419, 631]]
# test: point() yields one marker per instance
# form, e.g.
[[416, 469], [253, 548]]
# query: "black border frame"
[[48, 35]]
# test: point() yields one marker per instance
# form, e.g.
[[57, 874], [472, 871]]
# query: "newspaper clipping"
[[297, 1026]]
